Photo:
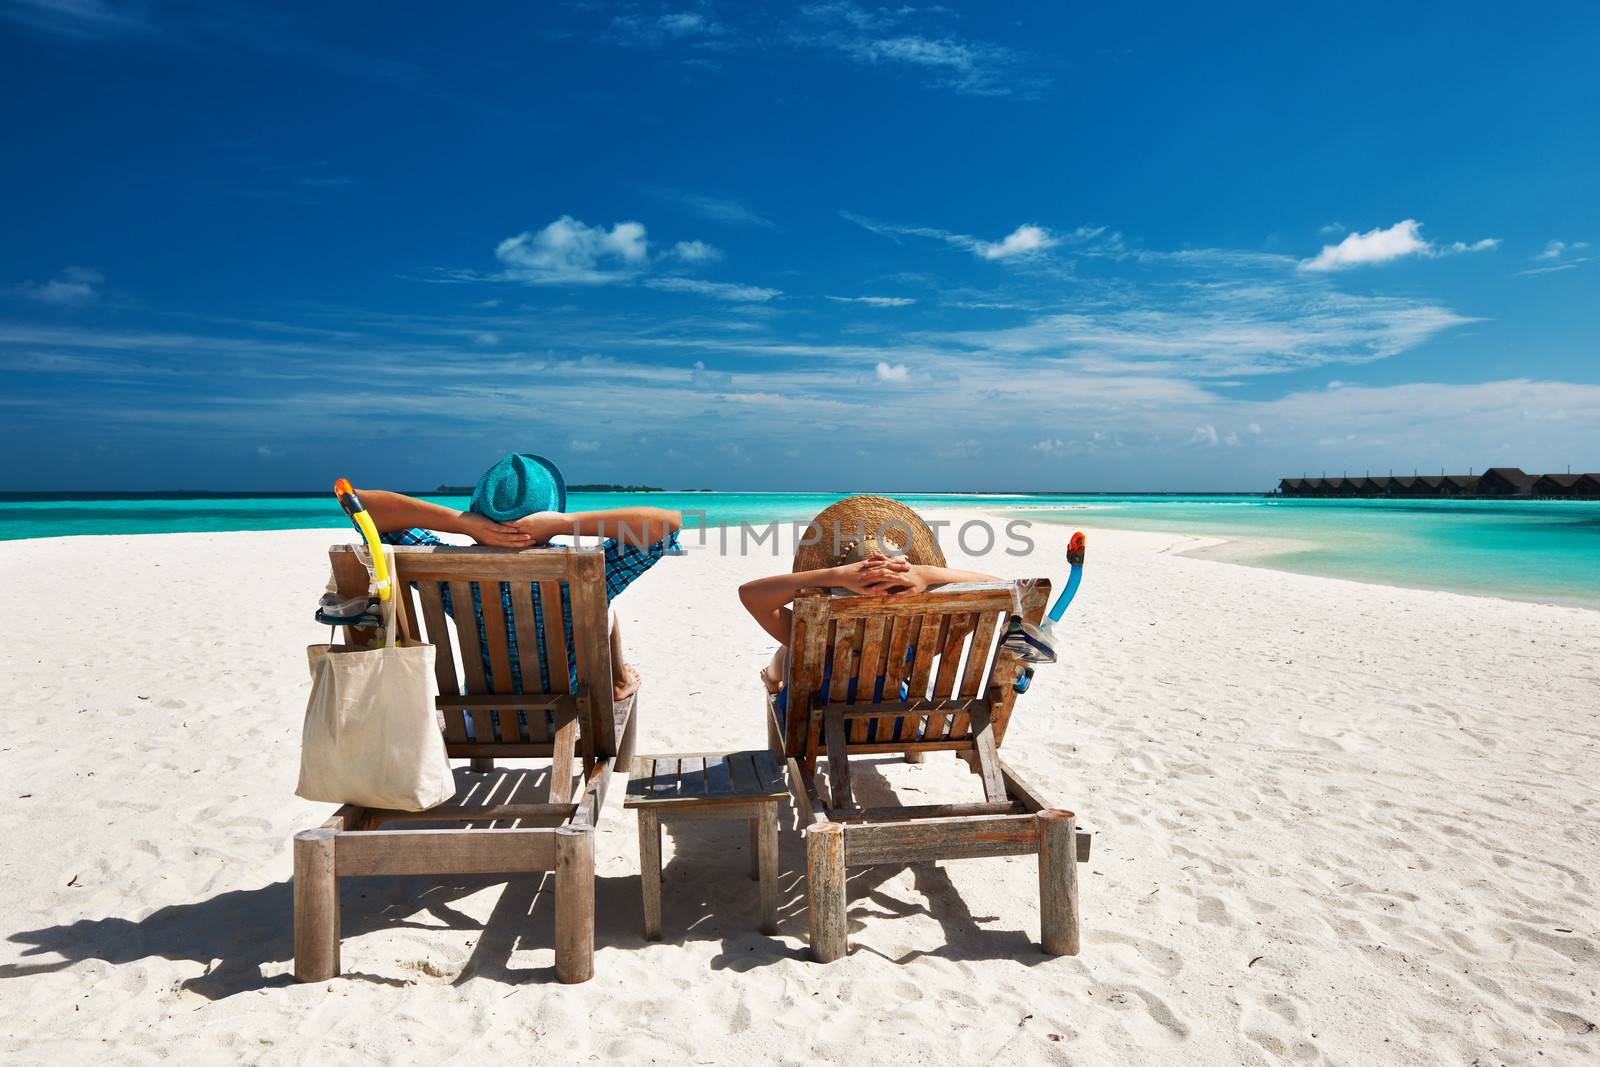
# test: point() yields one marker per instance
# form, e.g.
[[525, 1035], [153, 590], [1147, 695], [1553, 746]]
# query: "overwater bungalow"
[[1557, 485], [1495, 483], [1506, 481]]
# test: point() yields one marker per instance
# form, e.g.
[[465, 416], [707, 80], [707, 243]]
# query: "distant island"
[[597, 487], [601, 487]]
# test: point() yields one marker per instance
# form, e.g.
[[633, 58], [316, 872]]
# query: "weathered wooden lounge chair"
[[581, 730], [960, 697]]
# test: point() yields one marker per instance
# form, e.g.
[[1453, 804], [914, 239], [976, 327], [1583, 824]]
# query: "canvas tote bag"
[[372, 734]]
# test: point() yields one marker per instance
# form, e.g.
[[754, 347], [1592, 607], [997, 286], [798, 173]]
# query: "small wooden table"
[[708, 785]]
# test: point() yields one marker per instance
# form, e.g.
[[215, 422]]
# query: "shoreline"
[[1257, 553], [1251, 551]]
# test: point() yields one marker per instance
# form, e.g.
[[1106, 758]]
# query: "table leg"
[[650, 872], [768, 851]]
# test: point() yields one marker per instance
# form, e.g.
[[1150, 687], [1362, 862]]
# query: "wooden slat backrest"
[[573, 575], [943, 644]]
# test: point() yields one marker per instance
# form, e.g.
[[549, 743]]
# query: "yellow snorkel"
[[369, 532]]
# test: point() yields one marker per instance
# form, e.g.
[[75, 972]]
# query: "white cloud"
[[876, 301], [578, 444], [745, 294], [73, 18], [1561, 255], [1025, 239], [696, 252], [651, 31], [684, 23], [716, 208], [1019, 243], [706, 378], [569, 252], [1219, 331], [1144, 420], [1147, 353], [1404, 238], [1558, 256], [73, 287], [854, 14], [486, 339], [1568, 265], [1556, 249], [919, 51], [876, 37], [1378, 245]]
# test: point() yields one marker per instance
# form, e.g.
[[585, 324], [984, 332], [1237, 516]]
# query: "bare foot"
[[627, 685], [772, 673], [772, 684]]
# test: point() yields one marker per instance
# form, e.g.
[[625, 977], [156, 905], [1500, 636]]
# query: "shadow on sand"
[[707, 896]]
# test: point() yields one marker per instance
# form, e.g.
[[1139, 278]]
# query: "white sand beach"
[[1334, 823]]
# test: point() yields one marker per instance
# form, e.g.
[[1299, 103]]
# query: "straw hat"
[[858, 526]]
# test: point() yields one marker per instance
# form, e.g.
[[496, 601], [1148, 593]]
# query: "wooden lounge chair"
[[961, 692], [504, 829]]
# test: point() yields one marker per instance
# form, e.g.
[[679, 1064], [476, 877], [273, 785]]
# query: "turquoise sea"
[[1534, 550]]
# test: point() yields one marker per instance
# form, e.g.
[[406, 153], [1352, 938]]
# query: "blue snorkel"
[[1075, 549], [1035, 645]]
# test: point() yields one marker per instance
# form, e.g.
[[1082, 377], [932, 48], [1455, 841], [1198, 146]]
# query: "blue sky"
[[1055, 246]]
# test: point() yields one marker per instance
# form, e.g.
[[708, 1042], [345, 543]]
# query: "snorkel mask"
[[1037, 644], [364, 610]]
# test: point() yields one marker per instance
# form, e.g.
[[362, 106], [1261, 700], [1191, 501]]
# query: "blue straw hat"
[[518, 486]]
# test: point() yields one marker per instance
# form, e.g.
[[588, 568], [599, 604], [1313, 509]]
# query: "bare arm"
[[933, 577], [767, 599], [396, 511], [640, 527]]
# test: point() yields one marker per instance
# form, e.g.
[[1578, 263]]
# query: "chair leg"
[[483, 763], [650, 872], [774, 739], [316, 907], [916, 757], [1058, 881], [630, 735], [574, 904], [767, 853], [826, 903]]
